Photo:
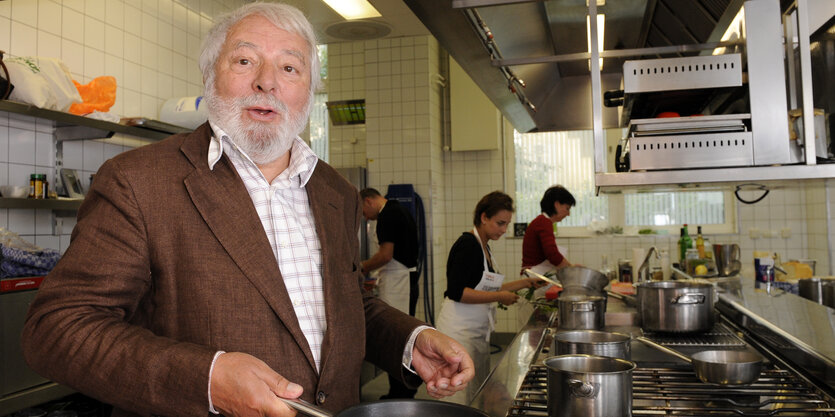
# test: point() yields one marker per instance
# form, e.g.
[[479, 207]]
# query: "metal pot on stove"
[[675, 306], [589, 386], [578, 311]]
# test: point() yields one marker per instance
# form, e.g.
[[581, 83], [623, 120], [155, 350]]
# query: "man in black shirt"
[[396, 259]]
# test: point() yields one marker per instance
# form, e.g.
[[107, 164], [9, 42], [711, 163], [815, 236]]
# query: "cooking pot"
[[401, 408], [589, 386], [723, 367], [828, 289], [593, 342], [578, 276], [581, 311], [812, 288], [675, 306]]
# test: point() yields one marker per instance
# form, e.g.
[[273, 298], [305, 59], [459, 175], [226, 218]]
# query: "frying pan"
[[722, 367], [388, 408]]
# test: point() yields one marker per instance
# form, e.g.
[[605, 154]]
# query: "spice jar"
[[37, 185]]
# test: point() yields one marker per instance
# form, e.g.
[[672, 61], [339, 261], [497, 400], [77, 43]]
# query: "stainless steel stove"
[[668, 391], [676, 391]]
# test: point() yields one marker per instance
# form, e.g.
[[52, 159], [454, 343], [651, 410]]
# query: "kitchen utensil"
[[675, 306], [593, 342], [402, 407], [579, 276], [14, 191], [533, 274], [828, 289], [812, 288], [727, 259], [581, 311], [723, 367], [590, 386]]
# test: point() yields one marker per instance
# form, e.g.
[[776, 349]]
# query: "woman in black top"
[[475, 285]]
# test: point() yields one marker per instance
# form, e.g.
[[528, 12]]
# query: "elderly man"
[[219, 270]]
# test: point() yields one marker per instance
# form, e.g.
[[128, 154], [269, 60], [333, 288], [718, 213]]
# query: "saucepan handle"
[[306, 408], [688, 299], [665, 349], [583, 389]]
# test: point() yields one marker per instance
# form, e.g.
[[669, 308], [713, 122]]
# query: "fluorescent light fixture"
[[353, 9], [601, 22], [599, 3]]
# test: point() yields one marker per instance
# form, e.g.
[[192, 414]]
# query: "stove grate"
[[675, 392], [719, 336]]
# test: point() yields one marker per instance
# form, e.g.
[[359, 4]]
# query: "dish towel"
[[16, 262]]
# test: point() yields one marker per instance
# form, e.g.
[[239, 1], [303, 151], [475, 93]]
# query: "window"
[[550, 158], [567, 158]]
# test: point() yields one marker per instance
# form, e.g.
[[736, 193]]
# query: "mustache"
[[261, 100]]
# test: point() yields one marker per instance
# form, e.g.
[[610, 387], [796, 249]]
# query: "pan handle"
[[664, 349], [306, 408], [583, 389], [688, 298]]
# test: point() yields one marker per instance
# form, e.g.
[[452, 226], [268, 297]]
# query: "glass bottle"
[[700, 243], [684, 243]]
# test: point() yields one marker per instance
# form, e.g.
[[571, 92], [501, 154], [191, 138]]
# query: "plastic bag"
[[43, 82], [98, 95]]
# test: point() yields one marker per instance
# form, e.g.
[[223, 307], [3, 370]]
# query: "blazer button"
[[320, 397]]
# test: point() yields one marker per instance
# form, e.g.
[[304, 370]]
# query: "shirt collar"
[[302, 159]]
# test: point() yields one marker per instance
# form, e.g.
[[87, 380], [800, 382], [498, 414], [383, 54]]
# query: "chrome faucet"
[[643, 269]]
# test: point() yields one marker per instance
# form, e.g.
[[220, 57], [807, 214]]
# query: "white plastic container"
[[188, 112]]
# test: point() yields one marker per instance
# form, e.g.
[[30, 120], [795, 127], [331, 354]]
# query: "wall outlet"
[[786, 232], [754, 233]]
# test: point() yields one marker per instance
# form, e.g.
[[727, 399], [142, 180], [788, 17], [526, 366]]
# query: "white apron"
[[393, 285], [471, 325]]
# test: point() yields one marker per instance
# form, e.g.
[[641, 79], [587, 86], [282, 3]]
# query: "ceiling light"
[[601, 22], [353, 9], [599, 3]]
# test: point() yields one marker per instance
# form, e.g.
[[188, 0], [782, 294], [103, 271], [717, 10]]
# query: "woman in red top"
[[539, 247]]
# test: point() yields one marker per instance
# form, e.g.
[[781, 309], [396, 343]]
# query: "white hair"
[[283, 16]]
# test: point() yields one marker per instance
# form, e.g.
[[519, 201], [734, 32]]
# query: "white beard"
[[262, 142]]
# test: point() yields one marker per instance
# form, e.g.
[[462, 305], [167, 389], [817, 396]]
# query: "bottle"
[[684, 243], [700, 243]]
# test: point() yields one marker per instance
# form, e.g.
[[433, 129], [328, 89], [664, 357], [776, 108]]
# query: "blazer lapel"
[[222, 200], [328, 211]]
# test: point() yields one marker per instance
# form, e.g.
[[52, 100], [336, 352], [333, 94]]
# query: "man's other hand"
[[243, 385], [442, 363]]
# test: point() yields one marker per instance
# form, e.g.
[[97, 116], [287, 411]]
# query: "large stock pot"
[[675, 306]]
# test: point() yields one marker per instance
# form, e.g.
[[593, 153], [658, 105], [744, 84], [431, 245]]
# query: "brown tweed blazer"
[[169, 263]]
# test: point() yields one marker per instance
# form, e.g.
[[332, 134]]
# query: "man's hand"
[[243, 385], [442, 363]]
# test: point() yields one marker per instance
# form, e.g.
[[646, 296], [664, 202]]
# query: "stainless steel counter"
[[798, 330], [502, 385]]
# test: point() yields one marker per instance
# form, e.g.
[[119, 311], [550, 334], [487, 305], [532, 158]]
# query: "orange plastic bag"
[[99, 94]]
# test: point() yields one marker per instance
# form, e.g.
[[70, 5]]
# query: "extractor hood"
[[557, 90]]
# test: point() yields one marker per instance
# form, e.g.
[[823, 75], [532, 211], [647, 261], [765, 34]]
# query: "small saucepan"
[[593, 342], [722, 367], [404, 408]]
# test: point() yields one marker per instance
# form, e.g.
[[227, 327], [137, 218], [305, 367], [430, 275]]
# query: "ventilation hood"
[[558, 86]]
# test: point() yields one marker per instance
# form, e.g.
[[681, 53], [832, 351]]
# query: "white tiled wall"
[[150, 46]]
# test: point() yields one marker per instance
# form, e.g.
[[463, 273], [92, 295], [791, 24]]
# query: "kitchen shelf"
[[35, 203], [80, 128]]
